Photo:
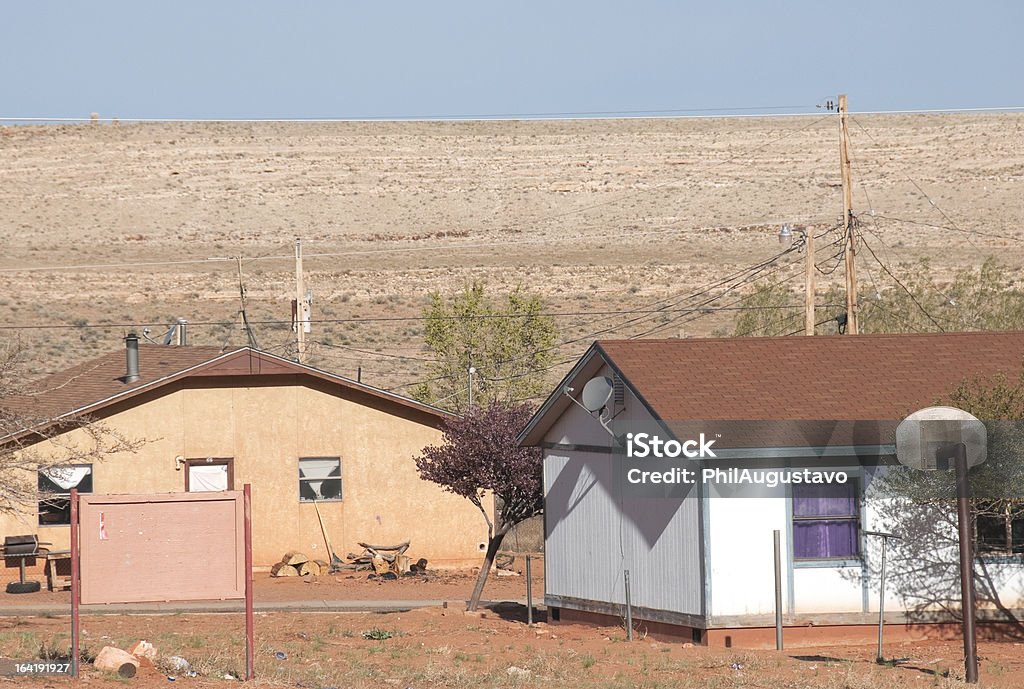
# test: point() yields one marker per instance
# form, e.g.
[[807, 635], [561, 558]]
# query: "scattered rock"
[[518, 672], [116, 660], [178, 664], [143, 649]]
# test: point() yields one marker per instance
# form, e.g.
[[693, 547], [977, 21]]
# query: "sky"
[[206, 59]]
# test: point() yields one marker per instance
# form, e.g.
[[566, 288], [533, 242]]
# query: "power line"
[[802, 329], [900, 283], [659, 230], [951, 227], [380, 319], [667, 113], [720, 163], [700, 311], [371, 353]]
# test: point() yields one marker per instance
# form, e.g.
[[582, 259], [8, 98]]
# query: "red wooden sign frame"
[[131, 548]]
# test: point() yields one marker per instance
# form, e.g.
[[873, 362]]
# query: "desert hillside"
[[114, 225]]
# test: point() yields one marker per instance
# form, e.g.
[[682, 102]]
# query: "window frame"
[[196, 461], [59, 496], [857, 518], [985, 548], [339, 478]]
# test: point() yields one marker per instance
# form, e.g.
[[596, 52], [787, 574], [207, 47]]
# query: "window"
[[319, 478], [826, 521], [210, 474], [1000, 527], [55, 484]]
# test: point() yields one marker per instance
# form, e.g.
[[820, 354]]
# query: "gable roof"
[[840, 377], [91, 386]]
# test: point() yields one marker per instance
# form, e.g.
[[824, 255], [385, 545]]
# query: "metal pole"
[[529, 592], [629, 610], [881, 603], [881, 587], [472, 370], [776, 535], [963, 513], [75, 591], [250, 655]]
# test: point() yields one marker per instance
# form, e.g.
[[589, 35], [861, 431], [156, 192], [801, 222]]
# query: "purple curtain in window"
[[821, 538]]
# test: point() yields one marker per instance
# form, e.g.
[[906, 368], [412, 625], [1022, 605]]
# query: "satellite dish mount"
[[594, 400]]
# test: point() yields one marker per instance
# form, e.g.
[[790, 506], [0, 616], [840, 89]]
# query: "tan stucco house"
[[211, 420]]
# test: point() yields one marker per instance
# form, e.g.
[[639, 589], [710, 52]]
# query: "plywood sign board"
[[164, 547]]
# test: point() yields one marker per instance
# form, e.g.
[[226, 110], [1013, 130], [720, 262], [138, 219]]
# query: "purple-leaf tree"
[[479, 456]]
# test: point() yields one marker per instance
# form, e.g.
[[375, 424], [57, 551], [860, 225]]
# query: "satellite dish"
[[923, 433], [596, 393]]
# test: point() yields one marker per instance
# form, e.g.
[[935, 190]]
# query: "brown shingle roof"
[[831, 377], [99, 379], [90, 386]]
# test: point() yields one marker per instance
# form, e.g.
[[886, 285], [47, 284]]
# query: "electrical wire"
[[953, 228], [901, 285], [370, 353], [668, 113], [951, 224]]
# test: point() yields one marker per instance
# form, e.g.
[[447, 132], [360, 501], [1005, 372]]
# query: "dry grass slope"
[[596, 215]]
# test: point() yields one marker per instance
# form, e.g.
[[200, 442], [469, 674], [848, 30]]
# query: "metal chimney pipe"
[[131, 348], [182, 333]]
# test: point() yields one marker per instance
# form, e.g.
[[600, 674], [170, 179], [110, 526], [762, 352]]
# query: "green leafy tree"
[[509, 343], [768, 311], [983, 298]]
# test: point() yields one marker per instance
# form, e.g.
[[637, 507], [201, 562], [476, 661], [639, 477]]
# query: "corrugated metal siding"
[[593, 536]]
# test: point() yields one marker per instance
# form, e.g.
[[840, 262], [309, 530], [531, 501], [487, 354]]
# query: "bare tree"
[[30, 441], [921, 507]]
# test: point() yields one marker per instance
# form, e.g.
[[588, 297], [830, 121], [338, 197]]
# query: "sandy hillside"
[[597, 215]]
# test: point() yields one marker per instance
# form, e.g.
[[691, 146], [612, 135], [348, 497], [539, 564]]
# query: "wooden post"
[[809, 282], [529, 592], [250, 645], [300, 332], [75, 590], [850, 245]]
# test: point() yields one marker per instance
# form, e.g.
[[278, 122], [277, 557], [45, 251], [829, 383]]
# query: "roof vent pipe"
[[182, 333], [131, 350]]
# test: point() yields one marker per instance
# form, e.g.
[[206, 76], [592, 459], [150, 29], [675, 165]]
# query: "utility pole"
[[809, 282], [850, 246], [250, 336], [300, 323]]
